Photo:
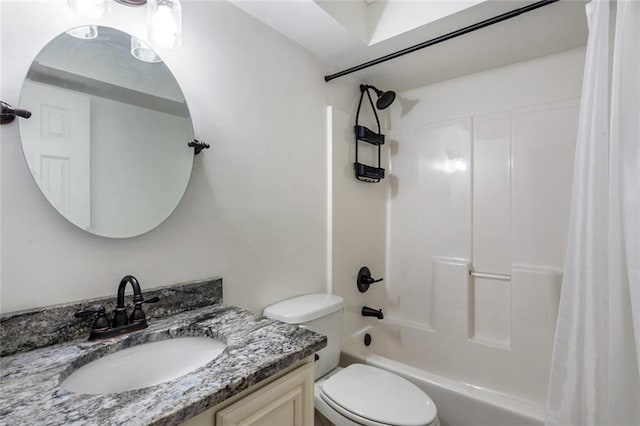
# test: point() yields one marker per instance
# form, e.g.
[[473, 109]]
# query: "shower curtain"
[[594, 374]]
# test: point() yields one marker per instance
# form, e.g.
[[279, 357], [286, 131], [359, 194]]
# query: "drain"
[[367, 339]]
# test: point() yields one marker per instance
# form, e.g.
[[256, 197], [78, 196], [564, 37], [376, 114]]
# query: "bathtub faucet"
[[370, 312]]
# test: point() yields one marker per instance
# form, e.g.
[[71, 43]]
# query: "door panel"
[[59, 148]]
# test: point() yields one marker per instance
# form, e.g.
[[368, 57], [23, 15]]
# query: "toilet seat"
[[349, 415], [374, 397]]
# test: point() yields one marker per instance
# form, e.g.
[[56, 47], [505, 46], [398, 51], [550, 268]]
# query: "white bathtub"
[[458, 403]]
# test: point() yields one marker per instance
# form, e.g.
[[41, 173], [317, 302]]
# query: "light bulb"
[[89, 8], [164, 23]]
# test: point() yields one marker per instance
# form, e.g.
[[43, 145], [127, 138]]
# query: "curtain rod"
[[494, 20]]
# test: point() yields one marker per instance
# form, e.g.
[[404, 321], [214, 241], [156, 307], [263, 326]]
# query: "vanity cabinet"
[[285, 399]]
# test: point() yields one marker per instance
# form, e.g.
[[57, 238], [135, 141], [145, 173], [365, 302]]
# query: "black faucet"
[[120, 313], [103, 329], [370, 312]]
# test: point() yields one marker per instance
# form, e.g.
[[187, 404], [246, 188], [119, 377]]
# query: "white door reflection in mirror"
[[58, 149]]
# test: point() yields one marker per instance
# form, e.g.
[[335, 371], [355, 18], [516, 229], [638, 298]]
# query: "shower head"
[[385, 99]]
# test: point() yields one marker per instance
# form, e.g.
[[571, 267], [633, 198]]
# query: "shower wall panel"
[[430, 212], [543, 150], [480, 180], [492, 193], [491, 230]]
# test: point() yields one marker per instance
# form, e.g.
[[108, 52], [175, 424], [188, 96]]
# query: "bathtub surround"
[[481, 184], [256, 349], [479, 180], [37, 328]]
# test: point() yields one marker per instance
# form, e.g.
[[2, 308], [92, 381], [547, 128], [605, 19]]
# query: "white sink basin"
[[144, 365]]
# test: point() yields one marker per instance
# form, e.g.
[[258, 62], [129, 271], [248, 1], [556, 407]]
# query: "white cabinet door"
[[286, 402], [278, 401]]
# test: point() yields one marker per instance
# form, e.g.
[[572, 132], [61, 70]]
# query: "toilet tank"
[[321, 313]]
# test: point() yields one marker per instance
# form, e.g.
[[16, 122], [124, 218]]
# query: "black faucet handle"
[[89, 312], [369, 280], [364, 279], [101, 322], [138, 314]]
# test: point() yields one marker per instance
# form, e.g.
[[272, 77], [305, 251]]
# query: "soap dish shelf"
[[369, 172], [366, 135]]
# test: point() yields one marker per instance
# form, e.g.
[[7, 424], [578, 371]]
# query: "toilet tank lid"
[[305, 308]]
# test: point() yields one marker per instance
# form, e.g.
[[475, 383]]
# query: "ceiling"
[[350, 39]]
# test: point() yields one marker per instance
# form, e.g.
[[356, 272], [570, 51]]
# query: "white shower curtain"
[[594, 374]]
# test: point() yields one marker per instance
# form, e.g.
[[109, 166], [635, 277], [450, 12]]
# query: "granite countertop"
[[256, 349]]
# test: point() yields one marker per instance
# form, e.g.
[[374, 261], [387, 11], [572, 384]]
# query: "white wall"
[[480, 179], [353, 15], [255, 209], [389, 18], [383, 19]]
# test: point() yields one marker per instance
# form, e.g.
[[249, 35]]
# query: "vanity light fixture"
[[164, 23], [164, 18]]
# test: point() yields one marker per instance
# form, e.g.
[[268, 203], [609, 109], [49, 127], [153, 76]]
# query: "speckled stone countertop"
[[36, 328], [256, 349]]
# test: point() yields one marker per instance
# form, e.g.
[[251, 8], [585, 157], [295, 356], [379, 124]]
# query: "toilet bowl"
[[357, 395]]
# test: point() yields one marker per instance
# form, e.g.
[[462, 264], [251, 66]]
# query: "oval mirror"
[[107, 139]]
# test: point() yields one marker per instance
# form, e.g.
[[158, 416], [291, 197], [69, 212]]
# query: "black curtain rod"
[[449, 36]]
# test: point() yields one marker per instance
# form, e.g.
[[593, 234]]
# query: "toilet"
[[357, 395]]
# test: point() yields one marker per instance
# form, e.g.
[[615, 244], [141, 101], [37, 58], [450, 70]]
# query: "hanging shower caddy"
[[364, 172]]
